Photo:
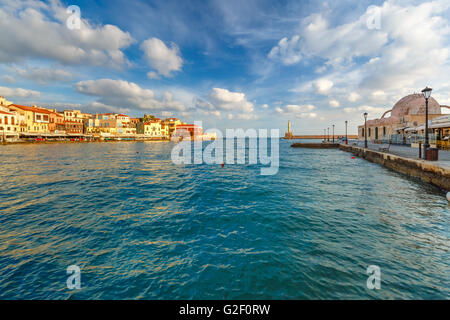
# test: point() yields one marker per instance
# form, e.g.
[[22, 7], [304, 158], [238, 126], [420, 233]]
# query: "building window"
[[370, 132], [384, 131]]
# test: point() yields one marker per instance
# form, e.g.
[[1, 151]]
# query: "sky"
[[227, 63]]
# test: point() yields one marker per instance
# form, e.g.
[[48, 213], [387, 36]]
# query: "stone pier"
[[427, 171]]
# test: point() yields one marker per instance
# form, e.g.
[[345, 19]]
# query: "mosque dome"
[[415, 104]]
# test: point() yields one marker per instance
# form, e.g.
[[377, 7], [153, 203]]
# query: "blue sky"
[[232, 64]]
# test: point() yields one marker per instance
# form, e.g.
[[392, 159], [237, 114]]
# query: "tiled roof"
[[188, 126], [33, 109], [150, 122]]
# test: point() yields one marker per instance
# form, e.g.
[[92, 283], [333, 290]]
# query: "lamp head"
[[427, 92]]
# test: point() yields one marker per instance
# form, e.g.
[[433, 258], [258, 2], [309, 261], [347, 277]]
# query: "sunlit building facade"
[[408, 112]]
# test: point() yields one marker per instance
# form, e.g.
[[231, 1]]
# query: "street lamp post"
[[328, 135], [333, 133], [346, 137], [365, 130], [426, 93]]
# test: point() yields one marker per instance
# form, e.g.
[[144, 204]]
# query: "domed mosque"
[[408, 112]]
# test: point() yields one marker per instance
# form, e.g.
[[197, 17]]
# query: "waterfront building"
[[101, 123], [110, 123], [76, 116], [56, 123], [73, 127], [408, 112], [126, 130], [9, 124], [171, 124], [123, 119], [124, 125], [35, 120], [165, 130], [150, 128], [195, 131], [4, 102], [135, 121], [439, 133]]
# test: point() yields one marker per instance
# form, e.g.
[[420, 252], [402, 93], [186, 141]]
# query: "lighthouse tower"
[[288, 134]]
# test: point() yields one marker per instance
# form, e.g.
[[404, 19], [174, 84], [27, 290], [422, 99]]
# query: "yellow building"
[[102, 123], [32, 119], [165, 131], [4, 102], [151, 129], [171, 124], [75, 116]]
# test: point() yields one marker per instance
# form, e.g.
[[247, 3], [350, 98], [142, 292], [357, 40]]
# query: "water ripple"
[[140, 227]]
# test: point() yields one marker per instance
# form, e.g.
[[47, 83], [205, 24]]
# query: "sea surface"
[[140, 227]]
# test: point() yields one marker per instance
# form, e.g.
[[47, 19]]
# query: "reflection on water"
[[140, 227]]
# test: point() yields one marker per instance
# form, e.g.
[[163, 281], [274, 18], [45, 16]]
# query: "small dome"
[[415, 104]]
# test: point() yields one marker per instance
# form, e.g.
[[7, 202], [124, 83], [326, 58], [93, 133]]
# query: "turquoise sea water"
[[140, 227]]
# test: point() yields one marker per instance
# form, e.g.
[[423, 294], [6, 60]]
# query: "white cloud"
[[161, 58], [234, 104], [123, 94], [334, 103], [408, 51], [353, 97], [11, 93], [299, 111], [43, 75], [378, 96], [227, 100], [287, 51], [152, 75], [34, 29], [373, 111], [323, 86]]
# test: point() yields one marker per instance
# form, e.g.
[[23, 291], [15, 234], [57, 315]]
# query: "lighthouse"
[[288, 134]]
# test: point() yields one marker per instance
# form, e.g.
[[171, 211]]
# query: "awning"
[[440, 125]]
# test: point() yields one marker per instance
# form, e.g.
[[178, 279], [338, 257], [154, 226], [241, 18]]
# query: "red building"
[[192, 129]]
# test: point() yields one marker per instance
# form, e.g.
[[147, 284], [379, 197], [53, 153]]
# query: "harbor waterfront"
[[140, 227]]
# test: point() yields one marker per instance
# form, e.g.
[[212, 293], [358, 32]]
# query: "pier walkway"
[[408, 152], [405, 161]]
